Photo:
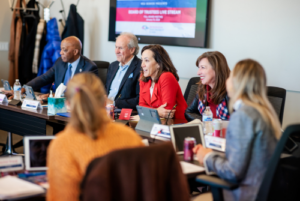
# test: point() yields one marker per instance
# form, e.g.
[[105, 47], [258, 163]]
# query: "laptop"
[[148, 117], [35, 150], [181, 131]]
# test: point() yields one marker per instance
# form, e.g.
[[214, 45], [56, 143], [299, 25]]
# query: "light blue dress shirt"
[[74, 66], [115, 85]]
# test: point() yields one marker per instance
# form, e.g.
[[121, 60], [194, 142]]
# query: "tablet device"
[[182, 131], [6, 85], [29, 92], [35, 150], [148, 117]]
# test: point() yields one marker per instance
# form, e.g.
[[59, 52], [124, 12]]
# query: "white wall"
[[5, 20], [265, 30]]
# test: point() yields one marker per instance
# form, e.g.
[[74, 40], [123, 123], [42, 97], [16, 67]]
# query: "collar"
[[127, 64], [239, 103], [75, 63]]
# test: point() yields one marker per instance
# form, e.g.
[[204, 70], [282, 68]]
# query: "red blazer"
[[166, 90]]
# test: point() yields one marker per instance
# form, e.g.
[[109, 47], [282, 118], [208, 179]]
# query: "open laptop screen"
[[35, 149], [180, 132]]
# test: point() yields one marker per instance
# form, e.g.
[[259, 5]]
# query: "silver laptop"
[[148, 117], [35, 150], [181, 131]]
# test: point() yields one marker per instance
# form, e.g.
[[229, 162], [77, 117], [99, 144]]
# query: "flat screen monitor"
[[168, 22]]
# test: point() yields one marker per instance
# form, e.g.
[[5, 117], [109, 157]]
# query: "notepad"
[[13, 187]]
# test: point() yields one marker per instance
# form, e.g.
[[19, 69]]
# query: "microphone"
[[169, 114]]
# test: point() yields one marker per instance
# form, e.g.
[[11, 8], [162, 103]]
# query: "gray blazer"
[[250, 143]]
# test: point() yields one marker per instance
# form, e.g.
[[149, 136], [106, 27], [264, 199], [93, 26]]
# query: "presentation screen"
[[170, 22]]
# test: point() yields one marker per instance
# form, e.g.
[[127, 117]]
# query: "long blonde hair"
[[249, 83], [86, 95]]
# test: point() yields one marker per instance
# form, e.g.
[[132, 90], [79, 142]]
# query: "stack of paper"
[[13, 187]]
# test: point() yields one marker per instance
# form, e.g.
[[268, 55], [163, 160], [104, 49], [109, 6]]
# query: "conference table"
[[15, 119]]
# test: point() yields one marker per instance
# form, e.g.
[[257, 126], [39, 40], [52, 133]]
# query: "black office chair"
[[191, 89], [102, 70], [217, 185], [276, 96]]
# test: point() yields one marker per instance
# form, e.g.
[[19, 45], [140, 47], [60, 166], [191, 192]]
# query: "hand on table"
[[201, 152], [8, 92], [162, 112], [43, 96]]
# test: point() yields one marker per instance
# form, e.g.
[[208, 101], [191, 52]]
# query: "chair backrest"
[[191, 89], [276, 96], [102, 70], [268, 177], [145, 173]]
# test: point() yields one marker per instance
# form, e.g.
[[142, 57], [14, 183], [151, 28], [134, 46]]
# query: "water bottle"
[[207, 118], [17, 90]]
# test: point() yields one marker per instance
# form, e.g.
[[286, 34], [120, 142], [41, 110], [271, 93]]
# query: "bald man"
[[70, 63]]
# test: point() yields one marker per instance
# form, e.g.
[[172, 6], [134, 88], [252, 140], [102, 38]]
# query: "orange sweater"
[[71, 152]]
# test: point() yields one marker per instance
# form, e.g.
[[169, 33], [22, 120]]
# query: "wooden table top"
[[41, 113]]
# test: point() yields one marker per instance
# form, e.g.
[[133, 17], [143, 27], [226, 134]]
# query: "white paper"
[[60, 90], [188, 168], [13, 187]]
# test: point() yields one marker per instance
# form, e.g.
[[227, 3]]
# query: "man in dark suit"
[[122, 83], [70, 63]]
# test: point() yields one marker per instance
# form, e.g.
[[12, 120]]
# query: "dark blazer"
[[74, 25], [192, 111], [57, 72], [128, 94]]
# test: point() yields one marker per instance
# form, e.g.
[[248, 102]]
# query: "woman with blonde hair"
[[252, 133], [89, 134]]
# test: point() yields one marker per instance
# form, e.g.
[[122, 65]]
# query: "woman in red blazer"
[[159, 86]]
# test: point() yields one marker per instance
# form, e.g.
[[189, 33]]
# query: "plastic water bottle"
[[207, 119], [17, 90]]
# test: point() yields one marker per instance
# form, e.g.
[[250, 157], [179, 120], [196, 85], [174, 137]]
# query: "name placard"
[[11, 163], [3, 98], [215, 143], [31, 104], [160, 130]]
